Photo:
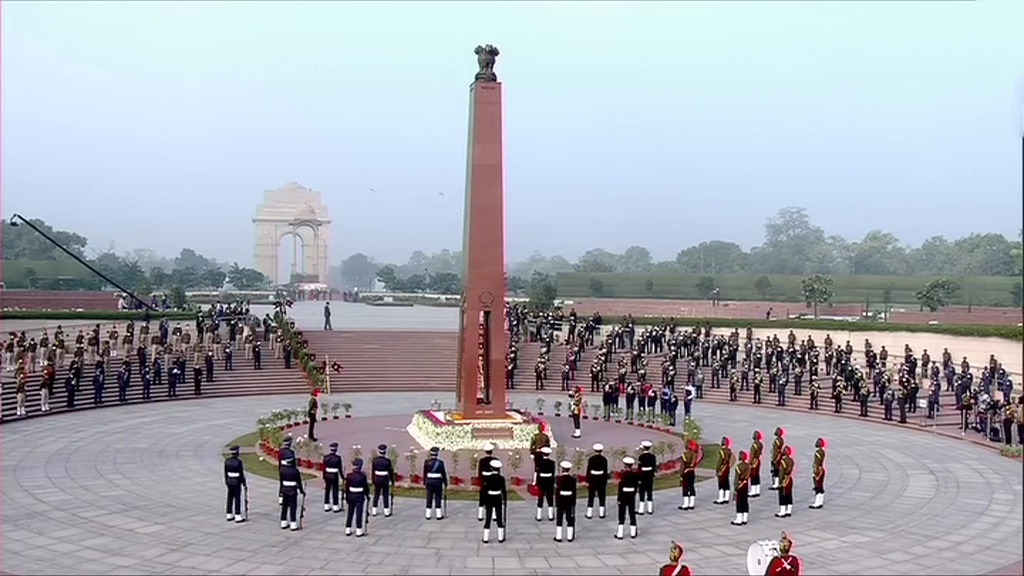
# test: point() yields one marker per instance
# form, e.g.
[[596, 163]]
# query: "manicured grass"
[[99, 315], [256, 467], [245, 441], [455, 494]]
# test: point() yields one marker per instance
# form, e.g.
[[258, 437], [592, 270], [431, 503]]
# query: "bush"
[[101, 315]]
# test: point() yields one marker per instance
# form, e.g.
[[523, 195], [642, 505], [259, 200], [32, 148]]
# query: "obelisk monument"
[[483, 341]]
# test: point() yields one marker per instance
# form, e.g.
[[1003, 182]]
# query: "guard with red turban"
[[688, 474], [742, 490], [786, 466], [786, 563], [756, 452], [675, 566], [818, 474], [722, 471]]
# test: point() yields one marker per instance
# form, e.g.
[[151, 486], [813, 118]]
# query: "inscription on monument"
[[493, 433]]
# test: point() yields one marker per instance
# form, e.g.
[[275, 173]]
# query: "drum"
[[758, 556]]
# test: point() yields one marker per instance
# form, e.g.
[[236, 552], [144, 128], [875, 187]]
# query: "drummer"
[[786, 563], [675, 566]]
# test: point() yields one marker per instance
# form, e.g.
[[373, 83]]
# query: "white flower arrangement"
[[448, 436]]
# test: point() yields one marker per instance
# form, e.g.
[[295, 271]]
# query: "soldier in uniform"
[[540, 440], [435, 480], [966, 405], [786, 483], [722, 471], [544, 480], [565, 503], [901, 401], [495, 501], [333, 465], [234, 479], [484, 470], [1009, 415], [818, 474], [576, 406], [357, 492], [647, 462], [814, 394], [629, 480], [383, 470], [597, 481], [742, 489], [675, 566], [756, 452], [71, 384], [291, 487], [786, 563], [688, 475], [311, 412], [778, 444]]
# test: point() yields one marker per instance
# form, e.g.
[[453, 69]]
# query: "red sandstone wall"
[[53, 300]]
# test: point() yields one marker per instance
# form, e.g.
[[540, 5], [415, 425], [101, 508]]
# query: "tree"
[[359, 270], [515, 285], [445, 283], [246, 279], [763, 286], [23, 243], [878, 253], [936, 294], [635, 259], [649, 286], [597, 260], [705, 286], [188, 258], [817, 290], [1017, 292], [541, 291], [793, 245], [389, 278], [715, 256], [415, 283], [596, 287]]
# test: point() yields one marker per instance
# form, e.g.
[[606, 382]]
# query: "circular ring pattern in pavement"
[[139, 489]]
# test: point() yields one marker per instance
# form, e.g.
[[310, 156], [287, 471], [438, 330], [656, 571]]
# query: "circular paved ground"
[[138, 489]]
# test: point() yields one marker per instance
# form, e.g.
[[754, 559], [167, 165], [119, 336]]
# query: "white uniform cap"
[[488, 447], [646, 444], [545, 450], [598, 447], [566, 465], [496, 464], [628, 461]]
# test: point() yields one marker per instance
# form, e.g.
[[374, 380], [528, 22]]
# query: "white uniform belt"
[[434, 475], [355, 489], [565, 493], [596, 472], [331, 470], [646, 469], [380, 473], [289, 483], [546, 475], [494, 492], [233, 474], [486, 473], [629, 489]]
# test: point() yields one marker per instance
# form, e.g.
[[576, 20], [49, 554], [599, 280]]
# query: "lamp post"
[[18, 219]]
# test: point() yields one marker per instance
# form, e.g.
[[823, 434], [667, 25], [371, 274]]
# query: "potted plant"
[[559, 454], [515, 463], [474, 462], [457, 481], [558, 408], [456, 460], [540, 405], [412, 457], [393, 454], [583, 411], [579, 463], [335, 410], [617, 413], [595, 411], [347, 407], [324, 411]]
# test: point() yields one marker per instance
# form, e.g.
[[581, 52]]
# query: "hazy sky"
[[158, 125]]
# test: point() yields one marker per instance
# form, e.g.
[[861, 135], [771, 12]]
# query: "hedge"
[[980, 290], [974, 331], [103, 315]]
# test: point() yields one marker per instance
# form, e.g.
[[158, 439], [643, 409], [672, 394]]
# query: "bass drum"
[[759, 555]]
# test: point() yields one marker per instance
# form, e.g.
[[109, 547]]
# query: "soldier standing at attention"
[[356, 494], [648, 464], [629, 480], [1009, 415], [722, 471], [565, 502], [327, 317], [234, 478], [332, 478], [576, 406], [818, 474], [756, 452], [197, 380], [786, 563], [71, 385], [597, 481], [495, 501], [383, 479], [688, 475], [291, 487], [778, 444], [814, 394], [544, 480], [311, 412], [675, 566], [483, 470], [435, 480], [786, 483], [742, 487]]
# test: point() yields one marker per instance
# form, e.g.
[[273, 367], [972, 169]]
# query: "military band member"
[[544, 480], [647, 462], [756, 453], [1020, 420], [383, 470], [356, 493], [46, 386], [1009, 415], [688, 474], [597, 481], [483, 471], [786, 465], [778, 445], [291, 487], [675, 566], [21, 390], [70, 386], [333, 465], [576, 406], [495, 501], [435, 480], [815, 393], [818, 474], [565, 503], [742, 489], [725, 459], [786, 563], [966, 405], [234, 479], [629, 480]]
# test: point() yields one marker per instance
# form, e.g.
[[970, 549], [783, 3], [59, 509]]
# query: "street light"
[[17, 220]]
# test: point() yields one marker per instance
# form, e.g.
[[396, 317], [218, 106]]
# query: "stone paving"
[[309, 315], [138, 490]]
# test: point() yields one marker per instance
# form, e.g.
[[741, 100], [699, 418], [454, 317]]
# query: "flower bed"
[[435, 428]]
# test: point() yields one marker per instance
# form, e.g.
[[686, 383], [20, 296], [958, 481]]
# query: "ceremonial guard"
[[629, 480], [786, 483], [291, 487], [597, 481], [675, 566], [647, 462], [756, 452], [688, 474], [544, 480], [234, 478], [285, 458], [819, 474], [383, 479], [21, 390], [742, 488], [722, 471], [495, 501], [311, 413], [786, 563], [575, 407], [356, 493], [565, 503], [435, 480], [1009, 415], [484, 470], [778, 445], [332, 479]]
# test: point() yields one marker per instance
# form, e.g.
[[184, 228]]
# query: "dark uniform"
[[818, 474], [786, 483], [688, 475], [285, 458], [778, 445], [482, 472], [597, 481], [495, 501], [234, 478], [383, 470], [565, 503], [629, 481], [291, 487], [648, 465], [333, 467], [435, 480], [357, 490], [742, 489], [311, 411], [544, 480]]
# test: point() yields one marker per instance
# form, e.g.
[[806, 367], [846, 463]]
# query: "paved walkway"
[[138, 490]]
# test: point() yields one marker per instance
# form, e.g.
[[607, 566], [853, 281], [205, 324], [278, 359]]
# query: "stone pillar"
[[484, 253]]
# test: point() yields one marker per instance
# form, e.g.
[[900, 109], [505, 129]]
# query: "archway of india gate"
[[296, 211]]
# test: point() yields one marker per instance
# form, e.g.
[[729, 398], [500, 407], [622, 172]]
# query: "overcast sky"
[[159, 125]]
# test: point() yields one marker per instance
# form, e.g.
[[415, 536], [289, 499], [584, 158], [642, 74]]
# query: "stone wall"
[[57, 300]]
